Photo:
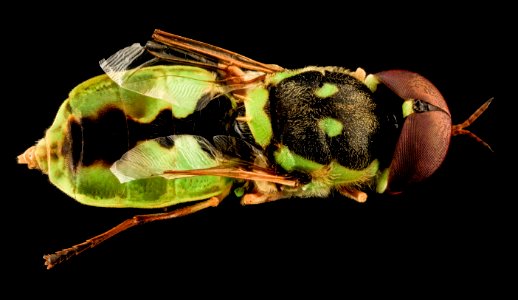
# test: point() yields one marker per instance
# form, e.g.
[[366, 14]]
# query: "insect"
[[179, 121]]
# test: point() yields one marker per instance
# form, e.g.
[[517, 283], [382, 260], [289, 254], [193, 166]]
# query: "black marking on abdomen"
[[106, 138]]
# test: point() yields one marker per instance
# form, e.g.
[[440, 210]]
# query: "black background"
[[447, 233]]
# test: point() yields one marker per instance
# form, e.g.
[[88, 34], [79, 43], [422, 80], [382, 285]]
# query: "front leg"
[[352, 193]]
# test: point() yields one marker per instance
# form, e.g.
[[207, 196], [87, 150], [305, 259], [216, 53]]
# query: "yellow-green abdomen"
[[100, 122]]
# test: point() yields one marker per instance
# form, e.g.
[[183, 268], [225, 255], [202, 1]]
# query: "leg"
[[258, 198], [53, 259], [354, 194]]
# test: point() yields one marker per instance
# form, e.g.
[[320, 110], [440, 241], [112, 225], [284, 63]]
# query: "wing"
[[178, 156], [204, 54], [178, 70]]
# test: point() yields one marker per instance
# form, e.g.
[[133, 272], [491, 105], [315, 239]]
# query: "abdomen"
[[100, 122]]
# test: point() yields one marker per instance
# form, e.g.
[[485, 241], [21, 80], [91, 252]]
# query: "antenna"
[[459, 128]]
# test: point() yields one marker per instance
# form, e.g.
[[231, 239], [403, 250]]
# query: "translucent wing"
[[181, 85], [179, 156], [180, 70], [153, 157]]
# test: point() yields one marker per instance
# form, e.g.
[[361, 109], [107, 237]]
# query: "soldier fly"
[[178, 121]]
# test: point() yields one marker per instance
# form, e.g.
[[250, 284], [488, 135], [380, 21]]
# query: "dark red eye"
[[425, 136]]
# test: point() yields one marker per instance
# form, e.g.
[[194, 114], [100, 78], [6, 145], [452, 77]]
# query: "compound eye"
[[425, 136]]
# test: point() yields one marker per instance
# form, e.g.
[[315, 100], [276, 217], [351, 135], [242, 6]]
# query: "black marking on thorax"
[[296, 111]]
